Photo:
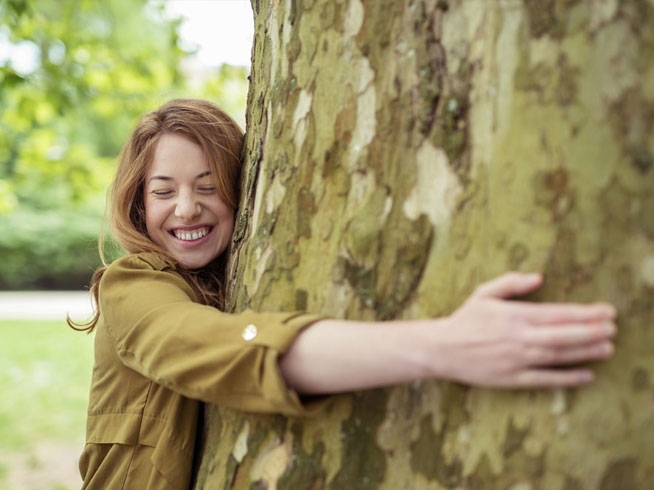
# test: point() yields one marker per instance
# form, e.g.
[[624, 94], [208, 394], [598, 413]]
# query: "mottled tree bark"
[[398, 153]]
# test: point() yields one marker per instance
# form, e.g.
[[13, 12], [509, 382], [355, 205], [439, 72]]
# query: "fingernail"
[[609, 328], [609, 310]]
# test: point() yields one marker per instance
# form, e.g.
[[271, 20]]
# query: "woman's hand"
[[491, 341]]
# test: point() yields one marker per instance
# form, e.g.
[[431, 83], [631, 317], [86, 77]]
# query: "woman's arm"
[[488, 341]]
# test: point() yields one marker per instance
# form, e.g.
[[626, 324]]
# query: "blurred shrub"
[[47, 250]]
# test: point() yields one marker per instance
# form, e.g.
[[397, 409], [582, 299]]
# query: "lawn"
[[45, 372]]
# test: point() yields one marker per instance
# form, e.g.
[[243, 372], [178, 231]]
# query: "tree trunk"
[[399, 152]]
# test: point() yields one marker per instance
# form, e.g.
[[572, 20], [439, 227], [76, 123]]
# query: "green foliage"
[[97, 67], [227, 86]]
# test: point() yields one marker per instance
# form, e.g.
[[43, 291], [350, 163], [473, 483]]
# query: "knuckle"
[[510, 337], [513, 315], [516, 333], [521, 335]]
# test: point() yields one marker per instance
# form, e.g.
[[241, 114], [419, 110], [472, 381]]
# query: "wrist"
[[424, 350]]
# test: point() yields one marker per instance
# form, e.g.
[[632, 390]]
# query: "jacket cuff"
[[278, 340], [274, 330]]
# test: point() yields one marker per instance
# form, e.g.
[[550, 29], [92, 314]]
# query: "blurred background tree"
[[81, 74]]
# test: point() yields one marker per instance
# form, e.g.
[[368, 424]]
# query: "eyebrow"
[[164, 177]]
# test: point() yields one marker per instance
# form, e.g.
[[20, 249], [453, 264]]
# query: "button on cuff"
[[249, 332]]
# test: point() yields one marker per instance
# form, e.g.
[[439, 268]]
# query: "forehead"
[[177, 156]]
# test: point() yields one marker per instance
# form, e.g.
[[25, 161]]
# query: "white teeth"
[[194, 235]]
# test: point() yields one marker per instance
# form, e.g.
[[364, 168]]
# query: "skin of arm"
[[489, 341]]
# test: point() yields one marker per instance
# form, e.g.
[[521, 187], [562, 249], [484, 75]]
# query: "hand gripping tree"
[[399, 152]]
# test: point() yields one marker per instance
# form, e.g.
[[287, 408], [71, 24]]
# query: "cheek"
[[226, 220], [223, 213], [149, 215], [153, 217]]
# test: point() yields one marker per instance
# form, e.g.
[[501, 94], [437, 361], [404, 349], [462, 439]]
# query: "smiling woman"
[[185, 214], [182, 141]]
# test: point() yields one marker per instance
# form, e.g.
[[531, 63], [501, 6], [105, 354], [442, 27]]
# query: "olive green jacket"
[[157, 352]]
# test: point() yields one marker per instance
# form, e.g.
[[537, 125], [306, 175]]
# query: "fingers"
[[554, 378], [518, 284], [508, 285], [548, 356], [568, 335], [553, 313]]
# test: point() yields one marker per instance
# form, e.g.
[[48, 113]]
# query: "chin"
[[192, 263]]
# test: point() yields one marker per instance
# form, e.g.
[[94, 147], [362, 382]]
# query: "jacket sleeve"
[[193, 349]]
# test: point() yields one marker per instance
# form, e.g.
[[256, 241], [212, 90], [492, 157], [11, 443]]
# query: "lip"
[[194, 243]]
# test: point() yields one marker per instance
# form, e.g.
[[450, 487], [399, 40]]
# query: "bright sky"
[[222, 30]]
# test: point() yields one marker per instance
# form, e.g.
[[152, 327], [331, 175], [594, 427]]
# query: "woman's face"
[[183, 212]]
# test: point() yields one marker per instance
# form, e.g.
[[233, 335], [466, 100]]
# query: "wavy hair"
[[221, 140]]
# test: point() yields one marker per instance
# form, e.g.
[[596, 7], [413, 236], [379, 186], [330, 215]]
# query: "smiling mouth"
[[190, 235]]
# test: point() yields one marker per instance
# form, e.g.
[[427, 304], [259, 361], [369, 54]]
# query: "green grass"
[[45, 374]]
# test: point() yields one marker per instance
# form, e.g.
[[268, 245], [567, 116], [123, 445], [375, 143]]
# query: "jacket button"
[[249, 332]]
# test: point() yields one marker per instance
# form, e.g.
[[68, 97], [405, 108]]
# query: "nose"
[[187, 207]]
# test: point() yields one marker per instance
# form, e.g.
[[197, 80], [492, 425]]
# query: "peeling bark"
[[398, 153]]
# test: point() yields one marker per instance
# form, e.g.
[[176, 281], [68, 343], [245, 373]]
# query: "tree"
[[401, 152]]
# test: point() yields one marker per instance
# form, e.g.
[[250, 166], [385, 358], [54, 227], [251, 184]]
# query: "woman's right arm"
[[489, 341]]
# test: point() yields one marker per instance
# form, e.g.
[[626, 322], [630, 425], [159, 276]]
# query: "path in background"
[[45, 466], [45, 305]]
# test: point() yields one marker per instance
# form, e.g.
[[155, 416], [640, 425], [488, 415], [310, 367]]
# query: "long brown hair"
[[221, 140]]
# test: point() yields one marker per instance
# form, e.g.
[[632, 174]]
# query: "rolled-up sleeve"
[[159, 330]]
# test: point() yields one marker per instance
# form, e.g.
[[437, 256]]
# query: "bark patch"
[[363, 463], [620, 476], [427, 456]]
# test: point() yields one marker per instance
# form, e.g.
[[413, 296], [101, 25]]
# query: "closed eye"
[[207, 189], [162, 193]]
